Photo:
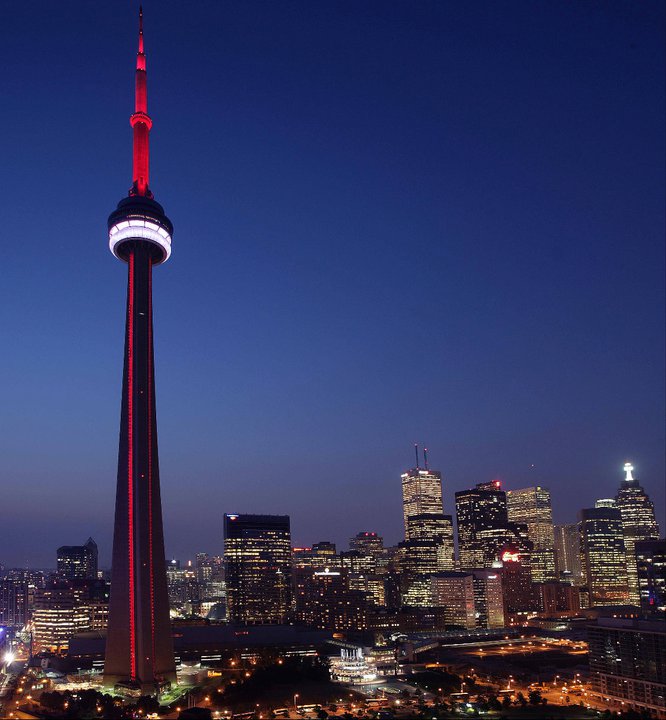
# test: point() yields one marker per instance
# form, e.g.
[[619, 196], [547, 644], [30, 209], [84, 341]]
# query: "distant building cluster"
[[53, 607], [508, 567], [512, 564]]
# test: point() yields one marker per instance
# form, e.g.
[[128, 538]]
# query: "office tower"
[[204, 569], [139, 646], [98, 605], [210, 577], [516, 585], [531, 506], [60, 612], [555, 597], [567, 553], [324, 549], [603, 556], [78, 562], [374, 587], [367, 543], [628, 663], [481, 508], [257, 559], [430, 547], [651, 570], [454, 591], [184, 590], [639, 523], [324, 554], [14, 599], [494, 541], [353, 561], [302, 557], [421, 493], [417, 592], [326, 601], [425, 557], [488, 599]]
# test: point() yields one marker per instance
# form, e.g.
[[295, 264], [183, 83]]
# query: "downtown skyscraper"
[[139, 646], [78, 562], [639, 523], [532, 507], [257, 563], [481, 509], [428, 545], [603, 556], [421, 493], [567, 553]]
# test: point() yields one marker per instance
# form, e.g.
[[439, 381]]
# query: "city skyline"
[[532, 350], [344, 542]]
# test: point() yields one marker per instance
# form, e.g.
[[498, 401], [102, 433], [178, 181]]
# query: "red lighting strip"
[[130, 461], [150, 459]]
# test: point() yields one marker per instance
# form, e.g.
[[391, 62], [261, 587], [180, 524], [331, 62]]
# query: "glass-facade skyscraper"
[[257, 562], [532, 507], [78, 562], [421, 494], [603, 556], [481, 508], [639, 522], [567, 553]]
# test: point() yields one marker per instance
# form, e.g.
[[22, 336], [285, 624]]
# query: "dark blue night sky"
[[394, 222]]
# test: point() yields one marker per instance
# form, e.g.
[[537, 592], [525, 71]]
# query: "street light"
[[296, 695]]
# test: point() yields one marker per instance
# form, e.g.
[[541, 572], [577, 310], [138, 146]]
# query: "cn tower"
[[139, 646]]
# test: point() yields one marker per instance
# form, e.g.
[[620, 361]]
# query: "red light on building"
[[508, 556]]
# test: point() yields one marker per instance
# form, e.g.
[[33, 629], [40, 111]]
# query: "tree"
[[535, 697], [494, 703]]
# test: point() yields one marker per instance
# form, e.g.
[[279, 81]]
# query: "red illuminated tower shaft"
[[139, 646]]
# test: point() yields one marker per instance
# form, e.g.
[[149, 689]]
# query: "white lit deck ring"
[[140, 229]]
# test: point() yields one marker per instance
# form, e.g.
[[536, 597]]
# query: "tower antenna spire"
[[141, 30], [141, 123], [425, 457], [416, 451]]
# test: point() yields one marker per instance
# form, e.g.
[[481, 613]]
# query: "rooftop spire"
[[141, 123], [141, 39], [628, 469]]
